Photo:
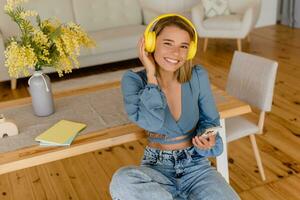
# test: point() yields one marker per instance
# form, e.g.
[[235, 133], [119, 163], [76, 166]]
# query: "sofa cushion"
[[215, 7], [149, 15], [228, 22], [63, 12], [3, 70], [96, 15], [115, 39], [48, 9]]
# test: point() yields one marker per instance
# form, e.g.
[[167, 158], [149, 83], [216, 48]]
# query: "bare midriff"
[[178, 146]]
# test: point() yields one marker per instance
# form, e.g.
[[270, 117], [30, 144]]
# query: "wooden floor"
[[87, 176]]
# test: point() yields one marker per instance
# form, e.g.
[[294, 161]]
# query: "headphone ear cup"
[[150, 42], [192, 50]]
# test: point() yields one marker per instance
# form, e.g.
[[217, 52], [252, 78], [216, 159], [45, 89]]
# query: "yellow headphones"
[[150, 36]]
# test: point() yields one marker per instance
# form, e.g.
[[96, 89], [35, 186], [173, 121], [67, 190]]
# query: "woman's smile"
[[171, 60]]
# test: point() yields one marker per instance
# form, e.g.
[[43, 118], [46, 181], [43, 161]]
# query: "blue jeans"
[[166, 175]]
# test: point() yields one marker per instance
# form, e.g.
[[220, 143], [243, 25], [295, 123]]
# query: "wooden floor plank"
[[60, 181], [285, 189], [39, 183], [96, 174], [5, 190], [78, 178], [20, 185]]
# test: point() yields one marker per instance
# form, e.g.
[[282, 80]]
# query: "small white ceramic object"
[[7, 128]]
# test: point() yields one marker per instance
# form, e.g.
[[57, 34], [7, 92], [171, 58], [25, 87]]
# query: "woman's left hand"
[[204, 143]]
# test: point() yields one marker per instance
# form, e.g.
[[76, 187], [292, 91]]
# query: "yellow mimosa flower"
[[50, 44]]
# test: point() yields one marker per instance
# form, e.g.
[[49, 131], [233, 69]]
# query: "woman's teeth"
[[173, 61]]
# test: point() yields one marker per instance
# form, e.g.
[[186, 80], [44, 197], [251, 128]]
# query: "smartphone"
[[211, 131]]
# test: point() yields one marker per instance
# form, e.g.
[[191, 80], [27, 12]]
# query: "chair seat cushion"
[[225, 22], [114, 39], [238, 127]]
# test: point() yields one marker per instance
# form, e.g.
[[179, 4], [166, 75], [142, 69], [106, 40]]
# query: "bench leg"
[[13, 83], [239, 44], [205, 44]]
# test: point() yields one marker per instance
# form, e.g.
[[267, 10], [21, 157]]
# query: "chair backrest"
[[251, 79], [238, 6]]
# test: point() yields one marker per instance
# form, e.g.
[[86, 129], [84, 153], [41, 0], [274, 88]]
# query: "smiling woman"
[[164, 38], [173, 102], [172, 48]]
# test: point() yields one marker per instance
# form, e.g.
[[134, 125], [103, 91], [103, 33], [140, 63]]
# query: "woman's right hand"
[[146, 58]]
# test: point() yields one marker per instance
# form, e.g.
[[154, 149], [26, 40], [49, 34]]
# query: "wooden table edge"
[[36, 155]]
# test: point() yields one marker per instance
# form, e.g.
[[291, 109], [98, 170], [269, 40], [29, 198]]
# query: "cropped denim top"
[[146, 106]]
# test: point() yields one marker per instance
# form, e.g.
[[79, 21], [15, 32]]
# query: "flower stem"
[[38, 67]]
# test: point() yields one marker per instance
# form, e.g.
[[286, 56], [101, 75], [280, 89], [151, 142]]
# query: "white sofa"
[[114, 25]]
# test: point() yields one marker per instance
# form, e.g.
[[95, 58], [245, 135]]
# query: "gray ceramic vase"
[[41, 94]]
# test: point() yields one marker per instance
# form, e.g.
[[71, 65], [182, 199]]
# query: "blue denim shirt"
[[146, 106]]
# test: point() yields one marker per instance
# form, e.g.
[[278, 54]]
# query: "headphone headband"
[[172, 15]]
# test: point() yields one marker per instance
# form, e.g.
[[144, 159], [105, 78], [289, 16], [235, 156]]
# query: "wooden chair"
[[251, 79]]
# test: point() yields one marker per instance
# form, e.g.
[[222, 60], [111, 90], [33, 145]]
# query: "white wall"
[[268, 14]]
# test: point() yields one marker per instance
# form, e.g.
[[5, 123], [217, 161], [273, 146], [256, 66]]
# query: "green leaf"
[[38, 20], [55, 34]]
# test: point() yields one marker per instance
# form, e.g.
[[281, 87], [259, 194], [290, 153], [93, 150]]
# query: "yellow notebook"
[[60, 134]]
